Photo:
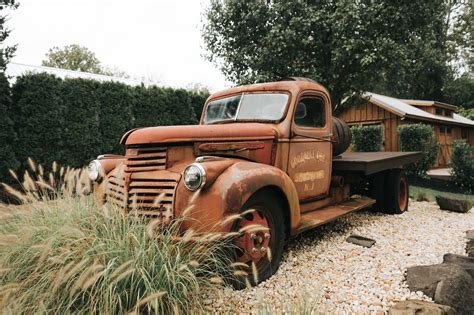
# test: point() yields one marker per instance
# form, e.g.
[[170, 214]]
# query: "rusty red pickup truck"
[[272, 152]]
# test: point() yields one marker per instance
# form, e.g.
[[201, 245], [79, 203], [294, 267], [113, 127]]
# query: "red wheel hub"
[[253, 243]]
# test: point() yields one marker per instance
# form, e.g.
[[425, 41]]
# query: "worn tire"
[[269, 207], [397, 192], [342, 134]]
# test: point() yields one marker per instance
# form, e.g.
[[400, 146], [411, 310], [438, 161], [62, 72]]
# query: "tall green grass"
[[66, 255]]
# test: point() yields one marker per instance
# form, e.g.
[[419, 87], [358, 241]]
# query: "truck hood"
[[220, 132]]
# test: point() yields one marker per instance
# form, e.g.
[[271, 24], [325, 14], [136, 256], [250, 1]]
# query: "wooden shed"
[[391, 112]]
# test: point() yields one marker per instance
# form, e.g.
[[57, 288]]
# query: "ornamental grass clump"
[[60, 253]]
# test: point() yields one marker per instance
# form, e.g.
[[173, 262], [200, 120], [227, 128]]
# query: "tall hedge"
[[367, 138], [197, 102], [71, 121], [115, 114], [38, 115], [7, 133], [81, 121], [462, 163], [162, 107], [419, 137]]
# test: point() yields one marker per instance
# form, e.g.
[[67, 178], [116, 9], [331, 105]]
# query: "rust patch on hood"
[[224, 132]]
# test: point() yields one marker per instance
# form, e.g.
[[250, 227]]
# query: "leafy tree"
[[5, 52], [115, 72], [73, 57], [461, 34], [394, 47], [460, 92]]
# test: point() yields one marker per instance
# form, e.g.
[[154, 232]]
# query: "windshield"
[[258, 106]]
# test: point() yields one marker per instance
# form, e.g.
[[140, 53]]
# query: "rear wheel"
[[259, 248], [397, 192], [390, 190]]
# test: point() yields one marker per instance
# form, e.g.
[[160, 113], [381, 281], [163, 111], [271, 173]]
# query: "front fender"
[[229, 191]]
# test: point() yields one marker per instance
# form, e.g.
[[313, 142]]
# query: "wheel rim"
[[403, 194], [252, 245]]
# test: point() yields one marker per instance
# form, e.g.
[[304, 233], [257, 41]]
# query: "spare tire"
[[341, 136]]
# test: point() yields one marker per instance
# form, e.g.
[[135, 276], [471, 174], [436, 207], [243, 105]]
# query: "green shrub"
[[462, 163], [68, 256], [7, 133], [418, 137], [367, 138], [38, 115]]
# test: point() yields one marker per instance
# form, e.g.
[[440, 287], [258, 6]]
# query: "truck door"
[[310, 157]]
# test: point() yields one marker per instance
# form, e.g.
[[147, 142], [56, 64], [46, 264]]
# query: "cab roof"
[[293, 86]]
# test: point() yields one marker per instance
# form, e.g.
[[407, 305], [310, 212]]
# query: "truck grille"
[[116, 193], [149, 197], [152, 196], [144, 159]]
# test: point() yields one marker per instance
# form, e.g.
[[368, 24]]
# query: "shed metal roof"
[[402, 109], [431, 103]]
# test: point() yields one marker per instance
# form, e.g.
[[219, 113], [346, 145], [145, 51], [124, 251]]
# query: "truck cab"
[[267, 155]]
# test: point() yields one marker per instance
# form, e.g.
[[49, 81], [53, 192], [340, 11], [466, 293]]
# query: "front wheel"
[[259, 247]]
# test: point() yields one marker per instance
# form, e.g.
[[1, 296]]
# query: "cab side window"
[[310, 113]]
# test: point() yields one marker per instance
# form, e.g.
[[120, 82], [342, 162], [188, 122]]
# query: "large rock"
[[467, 263], [447, 284], [455, 205], [416, 307]]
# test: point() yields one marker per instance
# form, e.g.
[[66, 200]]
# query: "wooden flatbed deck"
[[373, 162]]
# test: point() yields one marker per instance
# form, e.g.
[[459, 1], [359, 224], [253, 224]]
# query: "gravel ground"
[[322, 269]]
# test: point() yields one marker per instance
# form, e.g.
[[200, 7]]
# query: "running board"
[[327, 214]]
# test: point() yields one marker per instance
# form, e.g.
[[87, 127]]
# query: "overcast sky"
[[157, 39]]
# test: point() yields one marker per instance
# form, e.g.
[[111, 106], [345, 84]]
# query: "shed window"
[[442, 129], [448, 130], [440, 111]]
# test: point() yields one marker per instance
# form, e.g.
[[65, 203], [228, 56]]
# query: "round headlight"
[[194, 176], [95, 170]]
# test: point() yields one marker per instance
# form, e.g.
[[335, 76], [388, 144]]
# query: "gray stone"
[[447, 284], [467, 263], [461, 206], [416, 307], [360, 240]]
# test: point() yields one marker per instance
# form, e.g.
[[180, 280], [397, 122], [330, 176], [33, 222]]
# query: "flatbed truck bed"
[[373, 162]]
